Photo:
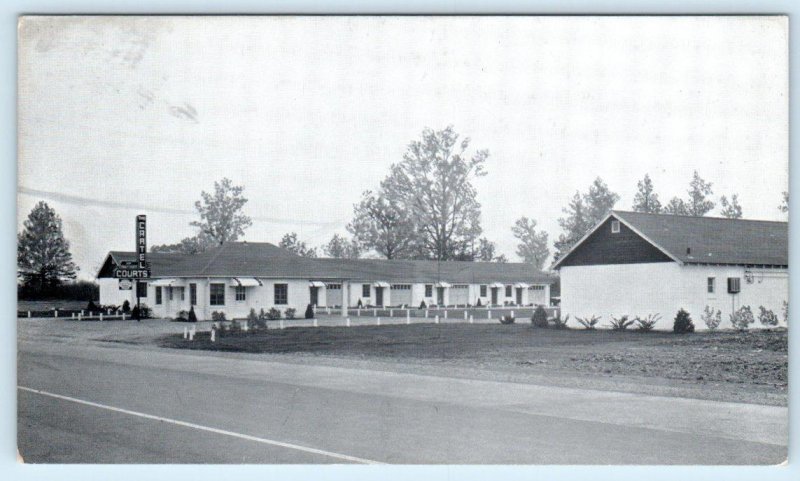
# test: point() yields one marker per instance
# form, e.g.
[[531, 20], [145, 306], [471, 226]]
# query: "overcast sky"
[[307, 113]]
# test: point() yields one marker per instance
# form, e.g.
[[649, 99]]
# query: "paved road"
[[84, 402]]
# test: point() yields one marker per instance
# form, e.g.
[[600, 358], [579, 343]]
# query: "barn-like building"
[[638, 264], [238, 276]]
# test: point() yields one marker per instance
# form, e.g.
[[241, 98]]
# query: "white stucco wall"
[[110, 294], [665, 287]]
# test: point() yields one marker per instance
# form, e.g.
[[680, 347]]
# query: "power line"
[[84, 201]]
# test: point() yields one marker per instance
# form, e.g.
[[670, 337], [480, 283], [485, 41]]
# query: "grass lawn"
[[756, 359]]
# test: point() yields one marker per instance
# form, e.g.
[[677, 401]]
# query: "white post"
[[437, 319], [123, 316], [191, 335], [465, 315], [81, 311], [374, 312], [470, 319], [101, 315], [281, 323], [193, 332], [379, 321], [445, 313], [108, 311], [80, 316], [213, 335], [327, 310], [426, 313], [186, 332], [315, 323], [245, 326], [512, 313], [358, 312], [408, 317], [55, 313], [29, 314], [391, 312], [348, 322], [73, 315], [488, 314]]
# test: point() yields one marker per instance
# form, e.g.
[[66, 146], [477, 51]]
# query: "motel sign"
[[139, 269]]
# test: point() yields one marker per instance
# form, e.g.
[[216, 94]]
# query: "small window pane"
[[281, 294], [193, 294], [483, 291], [141, 289], [241, 293], [710, 285], [365, 289], [428, 290], [159, 300], [614, 226], [217, 295], [508, 291]]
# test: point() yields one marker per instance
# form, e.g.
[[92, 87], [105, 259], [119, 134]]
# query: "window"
[[158, 295], [734, 285], [333, 286], [428, 290], [508, 291], [536, 288], [193, 294], [615, 227], [241, 294], [169, 292], [711, 285], [281, 293], [365, 290], [217, 294], [141, 289], [401, 287], [483, 291], [182, 292]]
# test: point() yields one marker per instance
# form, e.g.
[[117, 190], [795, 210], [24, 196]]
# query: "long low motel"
[[239, 276]]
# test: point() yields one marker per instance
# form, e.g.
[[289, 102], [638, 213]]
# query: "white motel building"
[[638, 264], [238, 276]]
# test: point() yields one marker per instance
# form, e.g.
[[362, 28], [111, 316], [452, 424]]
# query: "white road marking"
[[247, 437]]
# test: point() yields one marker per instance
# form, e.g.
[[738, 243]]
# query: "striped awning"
[[496, 284], [380, 284], [443, 284], [522, 285], [245, 282], [316, 284]]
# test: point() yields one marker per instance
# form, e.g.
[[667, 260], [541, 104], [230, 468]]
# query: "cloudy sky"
[[138, 115]]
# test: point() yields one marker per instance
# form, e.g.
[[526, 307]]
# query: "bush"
[[507, 319], [142, 312], [589, 323], [273, 314], [766, 317], [235, 326], [786, 312], [559, 324], [192, 315], [621, 324], [126, 306], [478, 304], [218, 316], [183, 315], [711, 318], [360, 304], [91, 306], [683, 323], [539, 318], [309, 312], [261, 319], [422, 305], [742, 318], [648, 323], [252, 319], [290, 312]]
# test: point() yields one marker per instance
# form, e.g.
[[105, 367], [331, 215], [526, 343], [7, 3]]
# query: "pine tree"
[[43, 257], [699, 191], [532, 248], [646, 200], [732, 209]]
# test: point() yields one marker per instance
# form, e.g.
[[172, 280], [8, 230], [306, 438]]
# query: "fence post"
[[73, 316], [512, 313], [315, 323], [29, 314], [101, 315], [426, 313], [375, 312], [408, 317], [470, 319], [281, 323], [358, 311], [347, 322], [213, 335], [186, 332], [445, 313], [80, 316], [391, 312], [465, 315], [379, 321], [123, 316], [81, 311], [55, 312], [488, 314], [437, 319]]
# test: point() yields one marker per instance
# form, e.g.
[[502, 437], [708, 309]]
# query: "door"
[[314, 295], [379, 296], [459, 295], [334, 295], [519, 296], [494, 295], [440, 296]]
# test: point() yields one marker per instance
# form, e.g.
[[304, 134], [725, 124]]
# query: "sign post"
[[130, 273]]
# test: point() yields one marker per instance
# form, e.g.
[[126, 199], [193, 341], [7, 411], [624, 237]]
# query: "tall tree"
[[43, 257], [784, 207], [532, 248], [487, 252], [732, 209], [646, 200], [341, 248], [582, 213], [221, 219], [382, 225], [676, 206], [291, 243], [699, 204], [189, 245], [433, 183]]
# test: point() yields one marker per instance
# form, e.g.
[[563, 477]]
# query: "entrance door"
[[519, 296], [314, 295], [440, 296], [494, 295], [379, 296]]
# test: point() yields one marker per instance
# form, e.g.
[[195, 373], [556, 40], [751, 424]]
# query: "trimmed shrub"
[[290, 312], [252, 319], [126, 306], [183, 315], [273, 314], [192, 315], [766, 317], [422, 305], [142, 312], [91, 306], [559, 324], [235, 326], [648, 323], [218, 316], [309, 312], [683, 323], [742, 318], [507, 319], [261, 320], [478, 304], [589, 323], [711, 318], [539, 318], [621, 324], [360, 304]]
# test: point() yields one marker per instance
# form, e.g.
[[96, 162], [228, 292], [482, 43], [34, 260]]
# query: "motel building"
[[638, 264], [238, 276]]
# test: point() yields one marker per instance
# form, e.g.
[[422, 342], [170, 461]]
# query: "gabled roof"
[[707, 240], [251, 259]]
